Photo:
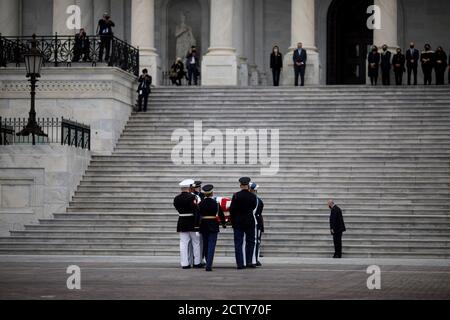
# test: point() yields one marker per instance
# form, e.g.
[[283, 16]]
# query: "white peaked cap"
[[186, 183]]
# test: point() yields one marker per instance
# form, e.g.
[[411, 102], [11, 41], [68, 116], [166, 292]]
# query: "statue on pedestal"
[[184, 37]]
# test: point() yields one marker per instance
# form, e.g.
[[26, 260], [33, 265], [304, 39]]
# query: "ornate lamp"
[[33, 64]]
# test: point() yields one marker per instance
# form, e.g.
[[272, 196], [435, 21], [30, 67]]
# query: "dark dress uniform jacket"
[[337, 220], [259, 217], [186, 203], [241, 210], [209, 208]]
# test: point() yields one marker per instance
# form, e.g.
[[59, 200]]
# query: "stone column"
[[388, 34], [117, 15], [9, 17], [220, 64], [302, 30], [60, 17], [87, 12], [250, 42], [143, 36], [239, 38]]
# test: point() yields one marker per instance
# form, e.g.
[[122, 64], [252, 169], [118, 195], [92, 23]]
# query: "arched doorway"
[[348, 39]]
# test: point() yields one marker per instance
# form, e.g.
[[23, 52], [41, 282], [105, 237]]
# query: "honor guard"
[[188, 224], [209, 226], [259, 222], [196, 190], [243, 220]]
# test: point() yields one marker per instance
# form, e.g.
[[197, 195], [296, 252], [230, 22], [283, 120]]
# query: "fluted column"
[[388, 34], [303, 30], [9, 17], [87, 13], [220, 64], [60, 16], [143, 36], [239, 39]]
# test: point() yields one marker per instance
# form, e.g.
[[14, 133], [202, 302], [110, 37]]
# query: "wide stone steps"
[[382, 153]]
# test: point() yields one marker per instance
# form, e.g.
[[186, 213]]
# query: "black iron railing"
[[63, 131], [62, 50]]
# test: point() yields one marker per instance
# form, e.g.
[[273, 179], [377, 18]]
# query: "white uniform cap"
[[186, 183]]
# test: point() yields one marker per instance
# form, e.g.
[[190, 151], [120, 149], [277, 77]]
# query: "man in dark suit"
[[412, 62], [300, 57], [192, 64], [242, 207], [337, 227], [398, 61], [144, 88], [386, 66]]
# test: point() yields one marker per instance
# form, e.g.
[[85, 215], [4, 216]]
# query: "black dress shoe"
[[241, 267], [258, 264], [199, 266], [208, 269], [186, 267], [252, 266]]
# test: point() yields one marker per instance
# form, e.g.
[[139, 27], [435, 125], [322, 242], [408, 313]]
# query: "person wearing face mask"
[[374, 64], [192, 64], [440, 65], [337, 227], [398, 62], [426, 58], [300, 57], [412, 61], [276, 64], [386, 66]]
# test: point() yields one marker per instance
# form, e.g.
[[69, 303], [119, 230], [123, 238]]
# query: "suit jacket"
[[189, 58], [337, 220], [145, 84], [400, 59], [302, 57], [276, 61], [414, 55], [386, 61]]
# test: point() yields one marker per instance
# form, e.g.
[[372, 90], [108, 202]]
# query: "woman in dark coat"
[[276, 64], [177, 72], [440, 65], [398, 62], [374, 65], [427, 60]]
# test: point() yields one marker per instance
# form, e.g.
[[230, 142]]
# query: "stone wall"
[[101, 97], [37, 181]]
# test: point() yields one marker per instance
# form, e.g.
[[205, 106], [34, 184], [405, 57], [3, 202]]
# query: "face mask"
[[412, 47]]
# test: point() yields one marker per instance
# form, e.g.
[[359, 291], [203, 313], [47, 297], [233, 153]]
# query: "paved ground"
[[39, 277]]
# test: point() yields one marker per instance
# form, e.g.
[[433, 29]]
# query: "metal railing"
[[63, 131], [61, 50]]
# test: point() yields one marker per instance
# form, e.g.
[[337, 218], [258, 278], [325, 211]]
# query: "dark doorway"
[[348, 40]]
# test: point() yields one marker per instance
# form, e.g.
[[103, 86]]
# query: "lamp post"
[[33, 64]]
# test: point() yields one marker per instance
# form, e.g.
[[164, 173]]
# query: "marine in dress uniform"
[[259, 222], [337, 227], [427, 59], [209, 226], [243, 205], [188, 224]]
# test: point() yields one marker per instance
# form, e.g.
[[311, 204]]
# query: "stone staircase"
[[383, 154]]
